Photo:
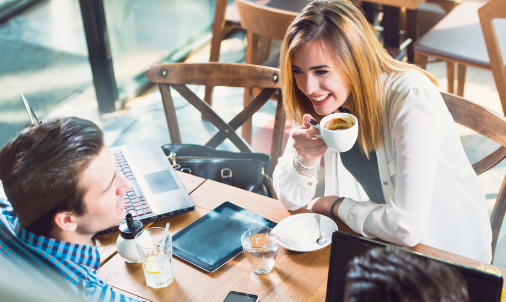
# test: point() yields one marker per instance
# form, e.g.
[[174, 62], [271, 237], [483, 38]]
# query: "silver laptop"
[[157, 191]]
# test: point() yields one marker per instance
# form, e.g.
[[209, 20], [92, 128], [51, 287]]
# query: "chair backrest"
[[492, 126], [178, 75], [495, 9], [265, 21]]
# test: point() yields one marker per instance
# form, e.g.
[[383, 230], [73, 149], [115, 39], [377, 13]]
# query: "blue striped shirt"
[[67, 269]]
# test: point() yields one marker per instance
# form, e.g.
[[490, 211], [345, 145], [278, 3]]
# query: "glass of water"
[[155, 252], [260, 247]]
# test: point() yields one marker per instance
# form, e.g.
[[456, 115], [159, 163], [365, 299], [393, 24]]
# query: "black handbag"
[[242, 170]]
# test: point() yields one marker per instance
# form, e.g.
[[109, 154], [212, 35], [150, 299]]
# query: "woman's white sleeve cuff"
[[293, 190], [345, 207], [303, 180], [356, 219]]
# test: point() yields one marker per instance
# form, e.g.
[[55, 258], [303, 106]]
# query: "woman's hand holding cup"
[[338, 130], [309, 147]]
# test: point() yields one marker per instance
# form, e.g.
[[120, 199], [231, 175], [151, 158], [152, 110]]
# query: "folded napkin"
[[299, 231]]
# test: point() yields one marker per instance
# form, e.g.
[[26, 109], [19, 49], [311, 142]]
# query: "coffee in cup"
[[338, 130], [339, 123]]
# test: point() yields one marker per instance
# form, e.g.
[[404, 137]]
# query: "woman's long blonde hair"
[[348, 40]]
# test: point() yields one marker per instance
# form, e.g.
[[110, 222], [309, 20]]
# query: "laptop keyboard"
[[135, 205]]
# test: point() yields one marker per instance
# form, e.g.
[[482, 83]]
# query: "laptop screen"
[[481, 286]]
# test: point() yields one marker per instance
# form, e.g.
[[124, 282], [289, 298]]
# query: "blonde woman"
[[408, 156]]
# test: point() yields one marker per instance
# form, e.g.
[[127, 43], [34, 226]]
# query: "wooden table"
[[302, 276]]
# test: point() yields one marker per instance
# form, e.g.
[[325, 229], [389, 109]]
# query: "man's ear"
[[66, 221]]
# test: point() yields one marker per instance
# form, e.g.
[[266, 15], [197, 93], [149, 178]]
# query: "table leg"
[[391, 26], [371, 12], [411, 32]]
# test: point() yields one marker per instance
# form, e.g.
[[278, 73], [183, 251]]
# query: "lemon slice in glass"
[[151, 266]]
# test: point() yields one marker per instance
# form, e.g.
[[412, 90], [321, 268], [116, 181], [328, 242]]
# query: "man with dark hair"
[[395, 275], [62, 187]]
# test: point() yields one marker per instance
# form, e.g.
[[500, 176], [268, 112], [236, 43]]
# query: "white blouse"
[[432, 193]]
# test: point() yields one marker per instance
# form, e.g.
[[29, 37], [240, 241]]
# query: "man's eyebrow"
[[319, 66], [111, 182]]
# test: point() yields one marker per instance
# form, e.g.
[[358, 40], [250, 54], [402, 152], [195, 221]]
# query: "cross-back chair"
[[492, 126], [178, 75], [267, 24]]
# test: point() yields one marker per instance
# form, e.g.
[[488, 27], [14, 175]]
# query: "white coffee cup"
[[337, 140]]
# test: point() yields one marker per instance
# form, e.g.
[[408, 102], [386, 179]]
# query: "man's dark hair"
[[395, 275], [41, 169]]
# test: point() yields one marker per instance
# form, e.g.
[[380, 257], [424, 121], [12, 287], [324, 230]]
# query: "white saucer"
[[328, 226]]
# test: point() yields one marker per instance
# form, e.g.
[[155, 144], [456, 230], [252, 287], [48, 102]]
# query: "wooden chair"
[[492, 126], [458, 39], [268, 24], [495, 9], [226, 19], [178, 75]]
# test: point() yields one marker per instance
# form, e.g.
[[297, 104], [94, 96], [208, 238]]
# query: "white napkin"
[[301, 231]]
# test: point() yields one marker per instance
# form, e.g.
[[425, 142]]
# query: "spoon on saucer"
[[321, 240]]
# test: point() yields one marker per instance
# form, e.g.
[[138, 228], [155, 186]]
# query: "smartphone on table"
[[234, 296]]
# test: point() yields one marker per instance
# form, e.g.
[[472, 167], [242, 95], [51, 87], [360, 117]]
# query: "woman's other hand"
[[309, 147]]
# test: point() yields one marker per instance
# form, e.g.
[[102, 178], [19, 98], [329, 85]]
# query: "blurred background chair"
[[447, 5], [226, 19], [262, 24], [178, 75], [492, 126], [495, 9], [457, 39]]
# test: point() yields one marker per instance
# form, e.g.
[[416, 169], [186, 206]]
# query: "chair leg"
[[217, 31], [214, 57], [461, 79], [265, 47], [247, 127], [170, 114], [450, 75], [278, 134], [251, 48], [421, 60], [497, 216], [251, 58]]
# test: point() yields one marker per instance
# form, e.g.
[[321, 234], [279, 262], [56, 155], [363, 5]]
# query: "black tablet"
[[215, 238]]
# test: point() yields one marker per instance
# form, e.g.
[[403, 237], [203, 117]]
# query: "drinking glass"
[[260, 247], [155, 252]]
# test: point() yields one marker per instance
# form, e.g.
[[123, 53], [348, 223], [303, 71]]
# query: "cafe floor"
[[143, 117]]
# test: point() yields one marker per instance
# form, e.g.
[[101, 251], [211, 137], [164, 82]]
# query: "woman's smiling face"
[[317, 78]]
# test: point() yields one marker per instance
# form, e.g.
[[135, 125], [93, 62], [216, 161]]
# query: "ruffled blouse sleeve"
[[293, 189]]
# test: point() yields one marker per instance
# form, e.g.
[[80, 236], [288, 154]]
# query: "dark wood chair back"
[[492, 126], [264, 21], [178, 75]]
